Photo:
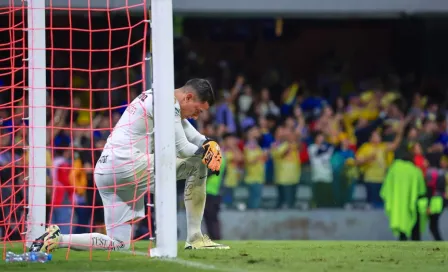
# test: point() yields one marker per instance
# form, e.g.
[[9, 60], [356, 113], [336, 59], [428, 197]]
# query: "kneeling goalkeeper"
[[127, 163]]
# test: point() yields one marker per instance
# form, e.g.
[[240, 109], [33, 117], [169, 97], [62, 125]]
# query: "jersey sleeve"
[[184, 149], [147, 98], [192, 134]]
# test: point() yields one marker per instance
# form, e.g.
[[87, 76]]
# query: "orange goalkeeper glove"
[[211, 155]]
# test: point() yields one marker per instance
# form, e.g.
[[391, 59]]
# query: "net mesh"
[[95, 62], [12, 120]]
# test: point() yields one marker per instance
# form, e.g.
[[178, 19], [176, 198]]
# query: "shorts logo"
[[103, 159], [143, 97]]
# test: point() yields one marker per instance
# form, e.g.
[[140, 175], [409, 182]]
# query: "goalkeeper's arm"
[[184, 148], [209, 149], [192, 134]]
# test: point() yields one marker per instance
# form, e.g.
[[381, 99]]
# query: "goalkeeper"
[[126, 163]]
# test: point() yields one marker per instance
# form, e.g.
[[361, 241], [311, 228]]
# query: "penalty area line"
[[185, 262]]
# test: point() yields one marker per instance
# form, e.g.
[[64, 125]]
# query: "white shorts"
[[123, 194]]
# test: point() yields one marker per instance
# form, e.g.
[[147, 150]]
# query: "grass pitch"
[[258, 256]]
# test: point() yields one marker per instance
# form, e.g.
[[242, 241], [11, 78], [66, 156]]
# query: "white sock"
[[194, 198], [118, 238]]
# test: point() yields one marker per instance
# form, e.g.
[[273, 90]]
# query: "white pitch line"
[[189, 263], [180, 261], [185, 262]]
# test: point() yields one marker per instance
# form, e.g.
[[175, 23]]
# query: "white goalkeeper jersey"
[[132, 138]]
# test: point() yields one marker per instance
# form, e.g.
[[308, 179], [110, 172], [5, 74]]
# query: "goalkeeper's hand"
[[211, 155]]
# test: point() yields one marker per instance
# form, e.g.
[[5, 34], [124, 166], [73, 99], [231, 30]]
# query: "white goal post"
[[165, 152], [37, 116]]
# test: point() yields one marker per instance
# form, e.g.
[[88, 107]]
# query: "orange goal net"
[[65, 79]]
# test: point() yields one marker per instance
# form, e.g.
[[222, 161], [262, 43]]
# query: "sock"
[[118, 238], [194, 198]]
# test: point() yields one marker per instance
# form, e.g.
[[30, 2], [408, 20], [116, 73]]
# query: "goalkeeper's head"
[[195, 97]]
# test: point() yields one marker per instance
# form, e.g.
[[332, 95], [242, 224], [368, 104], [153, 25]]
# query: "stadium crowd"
[[350, 140], [323, 136], [306, 140]]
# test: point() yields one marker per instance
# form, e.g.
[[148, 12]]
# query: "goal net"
[[66, 76]]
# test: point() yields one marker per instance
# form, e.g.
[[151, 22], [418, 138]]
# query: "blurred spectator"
[[13, 172], [289, 99], [430, 138], [79, 113], [103, 129], [9, 185], [266, 131], [267, 125], [344, 171], [427, 136], [330, 124], [62, 138], [418, 104], [419, 159], [16, 119], [267, 106], [287, 166], [225, 115], [442, 140], [364, 129], [372, 159], [78, 178], [254, 162], [407, 142], [320, 154], [403, 192], [436, 179], [432, 111], [245, 102], [300, 124], [213, 202], [234, 158], [226, 110], [62, 196], [250, 117]]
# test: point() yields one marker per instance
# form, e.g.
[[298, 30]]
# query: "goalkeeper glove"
[[211, 155]]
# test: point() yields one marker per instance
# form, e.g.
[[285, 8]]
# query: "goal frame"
[[159, 76], [165, 151], [37, 115]]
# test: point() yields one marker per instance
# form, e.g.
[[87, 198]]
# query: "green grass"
[[260, 256]]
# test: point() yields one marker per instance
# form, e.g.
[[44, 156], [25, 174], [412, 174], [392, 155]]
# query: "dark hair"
[[58, 151], [405, 156], [249, 128], [401, 104], [316, 134], [271, 117], [440, 118], [203, 89]]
